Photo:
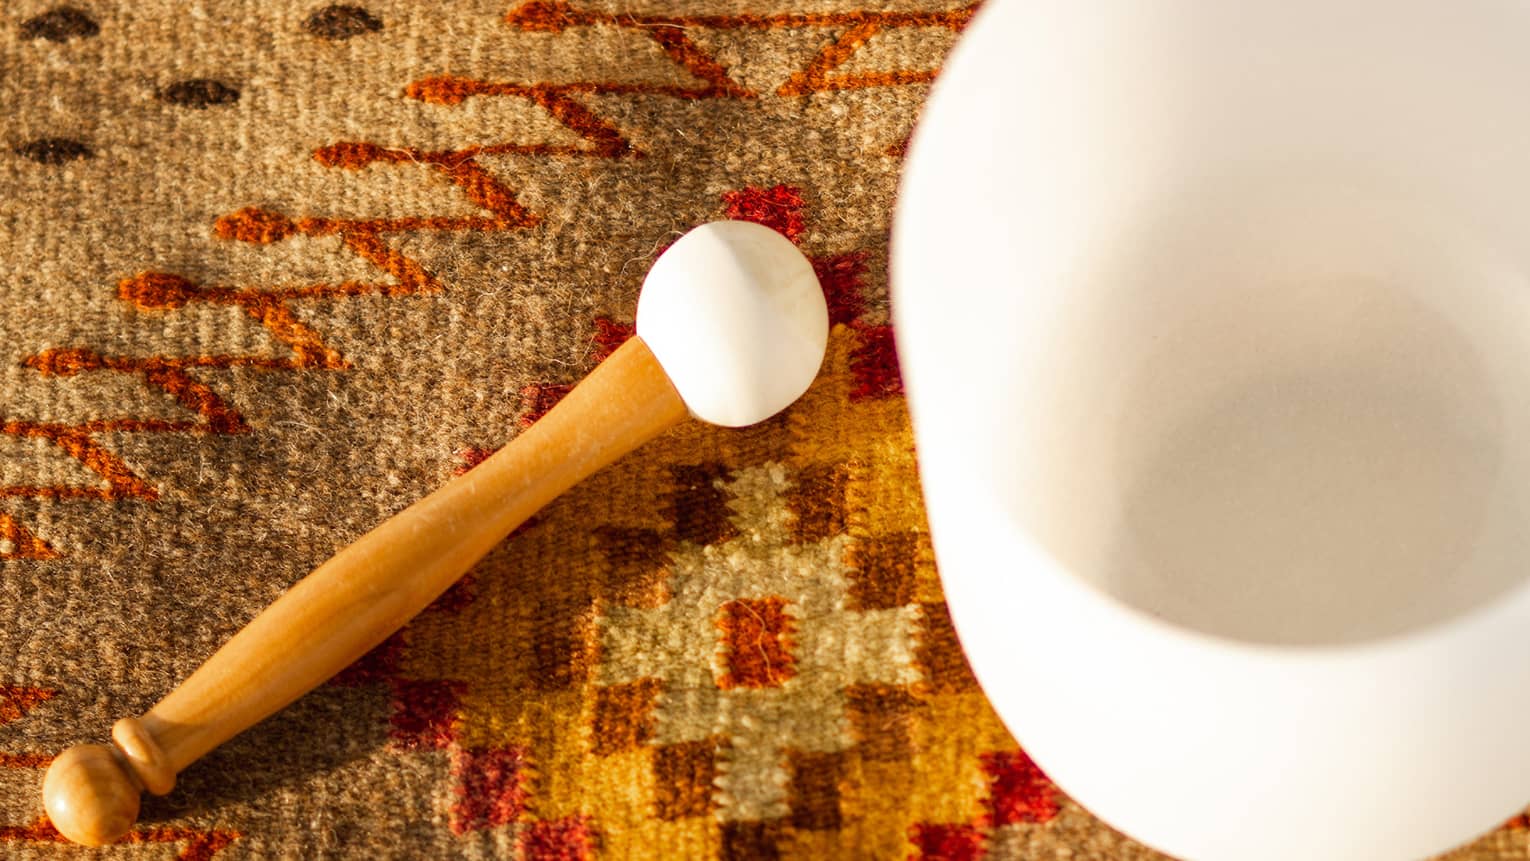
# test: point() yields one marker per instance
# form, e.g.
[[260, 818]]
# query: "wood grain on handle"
[[362, 595]]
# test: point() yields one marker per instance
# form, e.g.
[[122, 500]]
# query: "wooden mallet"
[[731, 328]]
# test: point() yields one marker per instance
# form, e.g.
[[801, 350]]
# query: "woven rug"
[[270, 271]]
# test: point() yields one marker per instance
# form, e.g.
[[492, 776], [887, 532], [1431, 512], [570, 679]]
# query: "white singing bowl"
[[1215, 324]]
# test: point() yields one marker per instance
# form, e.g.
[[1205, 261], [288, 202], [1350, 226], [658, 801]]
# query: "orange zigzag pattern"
[[198, 845], [272, 307], [669, 32], [15, 702]]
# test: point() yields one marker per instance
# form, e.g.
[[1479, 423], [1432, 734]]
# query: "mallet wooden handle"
[[362, 595]]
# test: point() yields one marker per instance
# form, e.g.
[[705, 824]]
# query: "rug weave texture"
[[270, 271]]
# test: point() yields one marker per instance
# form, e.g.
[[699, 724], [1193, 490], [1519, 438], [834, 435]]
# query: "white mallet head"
[[737, 319]]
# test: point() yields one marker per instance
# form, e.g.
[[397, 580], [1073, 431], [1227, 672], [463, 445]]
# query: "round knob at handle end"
[[89, 795]]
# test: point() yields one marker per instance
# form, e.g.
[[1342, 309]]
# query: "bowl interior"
[[1246, 287]]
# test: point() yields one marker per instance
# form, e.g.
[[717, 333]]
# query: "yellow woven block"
[[879, 805]]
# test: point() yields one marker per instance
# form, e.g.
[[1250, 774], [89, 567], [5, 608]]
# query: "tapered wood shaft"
[[362, 595]]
